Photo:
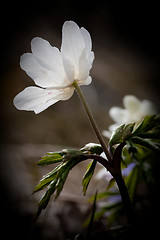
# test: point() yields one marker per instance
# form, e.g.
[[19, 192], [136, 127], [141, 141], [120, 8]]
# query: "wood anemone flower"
[[54, 71], [133, 112]]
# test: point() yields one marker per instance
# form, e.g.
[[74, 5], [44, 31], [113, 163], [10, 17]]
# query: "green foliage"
[[142, 145], [51, 157], [105, 194], [92, 148], [147, 134], [132, 181], [54, 180], [88, 175], [121, 134], [92, 218], [142, 152], [149, 123]]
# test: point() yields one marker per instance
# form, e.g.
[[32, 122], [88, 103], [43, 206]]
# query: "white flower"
[[134, 111], [55, 71]]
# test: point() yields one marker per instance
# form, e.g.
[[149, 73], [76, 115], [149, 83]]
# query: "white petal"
[[45, 65], [29, 63], [88, 43], [106, 134], [40, 74], [72, 43], [131, 103], [147, 108], [87, 38], [43, 50], [86, 82], [38, 99], [48, 56], [69, 70], [118, 114], [84, 67], [113, 127]]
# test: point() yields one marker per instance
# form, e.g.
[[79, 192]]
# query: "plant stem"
[[126, 199], [116, 173], [113, 164], [92, 120]]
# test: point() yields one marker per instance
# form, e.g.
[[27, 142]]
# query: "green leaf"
[[148, 123], [146, 143], [91, 221], [67, 164], [55, 179], [88, 175], [131, 181], [47, 179], [148, 173], [60, 182], [121, 134], [117, 206], [45, 198], [104, 195], [111, 183], [150, 135], [51, 157], [92, 148], [63, 173], [71, 154]]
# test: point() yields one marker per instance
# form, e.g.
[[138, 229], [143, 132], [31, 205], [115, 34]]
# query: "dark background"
[[125, 36]]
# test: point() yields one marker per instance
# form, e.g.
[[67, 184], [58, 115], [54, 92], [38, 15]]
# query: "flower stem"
[[126, 199], [120, 183], [92, 120], [113, 164]]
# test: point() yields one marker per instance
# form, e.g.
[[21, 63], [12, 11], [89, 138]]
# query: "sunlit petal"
[[55, 71], [72, 43], [38, 99], [41, 76]]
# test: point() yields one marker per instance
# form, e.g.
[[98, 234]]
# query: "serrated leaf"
[[60, 182], [150, 135], [71, 154], [88, 175], [55, 179], [148, 123], [121, 134], [146, 143], [92, 148], [45, 198], [47, 179], [62, 174], [116, 135], [51, 157]]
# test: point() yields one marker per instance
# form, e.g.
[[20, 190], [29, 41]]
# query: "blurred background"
[[125, 37]]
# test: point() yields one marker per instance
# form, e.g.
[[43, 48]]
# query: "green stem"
[[92, 120], [113, 164]]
